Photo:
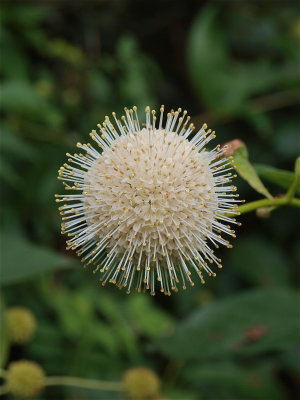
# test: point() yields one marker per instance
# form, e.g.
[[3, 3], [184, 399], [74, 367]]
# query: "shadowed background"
[[232, 64]]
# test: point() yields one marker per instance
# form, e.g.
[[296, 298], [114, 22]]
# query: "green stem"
[[288, 199], [275, 202], [292, 190], [83, 383]]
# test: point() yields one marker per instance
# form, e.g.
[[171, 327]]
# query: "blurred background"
[[232, 64]]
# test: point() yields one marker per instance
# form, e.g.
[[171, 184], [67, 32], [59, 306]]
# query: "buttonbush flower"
[[149, 201], [141, 383], [21, 324], [25, 379]]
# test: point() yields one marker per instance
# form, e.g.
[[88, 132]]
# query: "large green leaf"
[[22, 260], [246, 170], [251, 323], [267, 264], [221, 82], [227, 380]]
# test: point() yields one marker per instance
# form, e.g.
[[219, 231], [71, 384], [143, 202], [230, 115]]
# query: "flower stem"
[[276, 202], [292, 190], [83, 383], [287, 199]]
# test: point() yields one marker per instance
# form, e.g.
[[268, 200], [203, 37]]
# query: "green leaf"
[[251, 323], [13, 148], [233, 381], [22, 98], [205, 53], [147, 318], [8, 174], [15, 145], [224, 84], [267, 265], [109, 307], [246, 170], [279, 177], [22, 260], [134, 84]]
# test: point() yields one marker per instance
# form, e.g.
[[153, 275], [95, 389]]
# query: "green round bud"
[[25, 379], [21, 324], [141, 383]]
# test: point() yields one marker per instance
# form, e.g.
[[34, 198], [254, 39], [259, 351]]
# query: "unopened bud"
[[141, 383], [232, 146], [25, 379], [21, 324]]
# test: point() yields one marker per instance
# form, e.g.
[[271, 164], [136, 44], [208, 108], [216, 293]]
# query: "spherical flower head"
[[21, 324], [25, 379], [149, 201], [141, 383]]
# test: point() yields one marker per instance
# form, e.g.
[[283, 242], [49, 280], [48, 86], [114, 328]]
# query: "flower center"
[[147, 192]]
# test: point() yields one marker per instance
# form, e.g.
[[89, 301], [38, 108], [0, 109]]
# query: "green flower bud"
[[21, 324], [141, 383], [25, 379]]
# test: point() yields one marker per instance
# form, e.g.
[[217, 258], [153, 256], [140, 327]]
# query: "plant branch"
[[83, 383], [287, 199], [275, 202], [292, 190]]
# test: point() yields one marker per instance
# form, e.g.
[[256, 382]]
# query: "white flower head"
[[152, 201]]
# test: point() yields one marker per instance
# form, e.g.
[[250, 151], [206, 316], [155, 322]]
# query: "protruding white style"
[[152, 201]]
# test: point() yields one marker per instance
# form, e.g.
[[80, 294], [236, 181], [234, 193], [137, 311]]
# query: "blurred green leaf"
[[24, 14], [223, 83], [15, 63], [146, 317], [290, 360], [245, 169], [13, 148], [66, 51], [22, 98], [72, 307], [267, 264], [8, 174], [286, 139], [243, 324], [135, 70], [279, 177], [174, 393], [109, 307], [19, 96], [227, 380], [22, 260], [14, 145]]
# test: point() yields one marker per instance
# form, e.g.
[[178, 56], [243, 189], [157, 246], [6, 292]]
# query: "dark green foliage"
[[23, 260], [244, 324]]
